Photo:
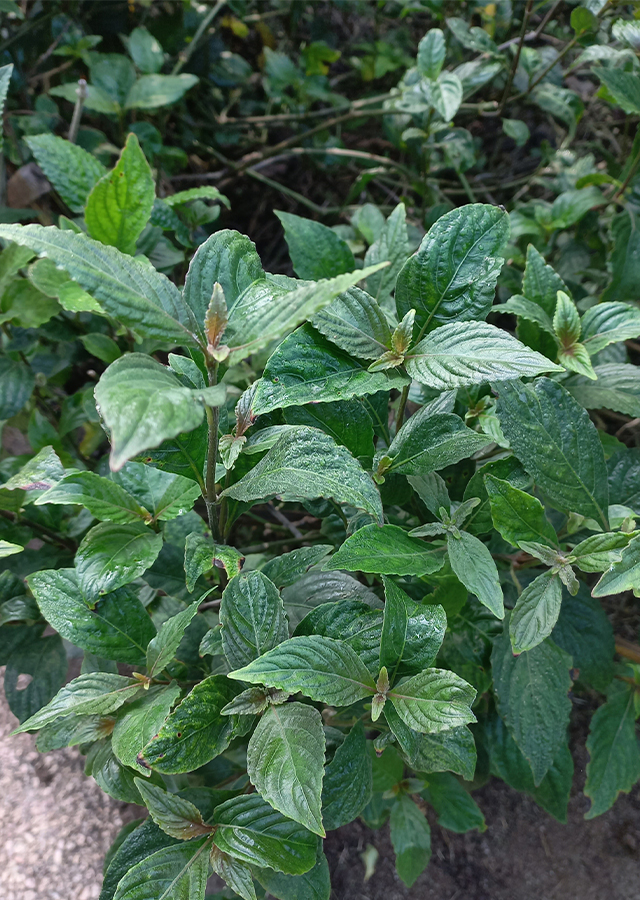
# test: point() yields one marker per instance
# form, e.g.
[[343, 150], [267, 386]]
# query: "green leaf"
[[315, 250], [157, 91], [96, 693], [116, 628], [306, 367], [140, 721], [177, 817], [462, 354], [5, 78], [411, 839], [201, 554], [71, 170], [119, 206], [431, 53], [285, 760], [16, 385], [599, 552], [536, 612], [385, 549], [285, 570], [100, 496], [143, 403], [473, 564], [162, 648], [8, 549], [165, 494], [144, 840], [622, 576], [45, 660], [251, 831], [347, 781], [561, 103], [445, 95], [321, 668], [453, 275], [517, 515], [517, 130], [173, 873], [144, 50], [41, 472], [129, 290], [609, 323], [617, 387], [96, 100], [429, 441], [346, 421], [528, 309], [625, 243], [557, 444], [532, 695], [355, 323], [305, 464], [313, 885], [392, 244], [196, 731], [614, 754], [412, 633], [252, 617], [111, 555], [566, 320], [204, 192], [584, 631], [456, 809], [541, 283], [434, 700], [622, 86], [351, 621], [316, 588], [236, 875], [54, 282]]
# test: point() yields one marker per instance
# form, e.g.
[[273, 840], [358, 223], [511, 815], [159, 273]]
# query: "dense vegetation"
[[343, 544]]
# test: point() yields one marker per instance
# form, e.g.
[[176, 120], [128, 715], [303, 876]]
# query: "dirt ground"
[[56, 825]]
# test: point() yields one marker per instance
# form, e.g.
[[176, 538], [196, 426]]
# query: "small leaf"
[[412, 633], [385, 549], [429, 441], [391, 244], [566, 320], [162, 648], [140, 721], [156, 91], [536, 612], [517, 515], [609, 323], [411, 839], [110, 556], [474, 566], [431, 53], [316, 251], [71, 170], [347, 781], [622, 576], [355, 323], [177, 817], [434, 700], [252, 617], [235, 874]]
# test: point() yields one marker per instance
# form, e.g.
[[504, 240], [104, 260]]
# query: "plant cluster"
[[347, 553]]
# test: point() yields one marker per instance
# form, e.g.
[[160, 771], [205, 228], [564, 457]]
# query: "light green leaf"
[[315, 250], [306, 464], [623, 87], [129, 290], [285, 760], [118, 627], [461, 354], [201, 554], [96, 693], [204, 192], [599, 552], [235, 874], [347, 780], [162, 649], [5, 78], [431, 53], [614, 754], [429, 441], [321, 668], [144, 50], [306, 368], [473, 564], [609, 323], [453, 275], [517, 130], [392, 244], [173, 873], [119, 206], [111, 555], [96, 99], [530, 310], [251, 831], [566, 320], [71, 170], [411, 839], [355, 323], [8, 549], [622, 576], [252, 617], [176, 816], [104, 499], [55, 282], [156, 91], [532, 695], [557, 444], [576, 358], [412, 633], [196, 731], [536, 612], [445, 95], [165, 494], [385, 549], [617, 387], [140, 721], [42, 472], [434, 700], [541, 283], [517, 515], [143, 403]]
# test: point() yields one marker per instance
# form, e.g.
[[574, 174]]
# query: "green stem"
[[516, 59], [403, 402], [210, 496], [186, 55]]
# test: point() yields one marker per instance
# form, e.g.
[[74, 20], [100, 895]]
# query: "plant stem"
[[81, 91], [47, 533], [210, 497], [186, 55], [516, 58], [625, 184], [403, 402]]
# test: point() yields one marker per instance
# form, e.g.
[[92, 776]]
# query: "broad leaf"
[[584, 631], [315, 250], [462, 354], [445, 95], [252, 831], [431, 53], [196, 731], [434, 700], [110, 556], [412, 633], [306, 368], [529, 310], [347, 781], [312, 885], [252, 617], [316, 588], [104, 499], [411, 839], [17, 382], [517, 515], [474, 566], [71, 170], [40, 473], [116, 628], [305, 464], [176, 816], [617, 387], [145, 50], [173, 873], [557, 444], [162, 649], [622, 576], [165, 494], [532, 694], [453, 275], [623, 87], [140, 721], [456, 809], [319, 667], [158, 91], [355, 323], [143, 403], [614, 753], [285, 762], [608, 323], [536, 612], [142, 842], [45, 661], [429, 441], [392, 244], [351, 621], [346, 421], [284, 570], [385, 549]]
